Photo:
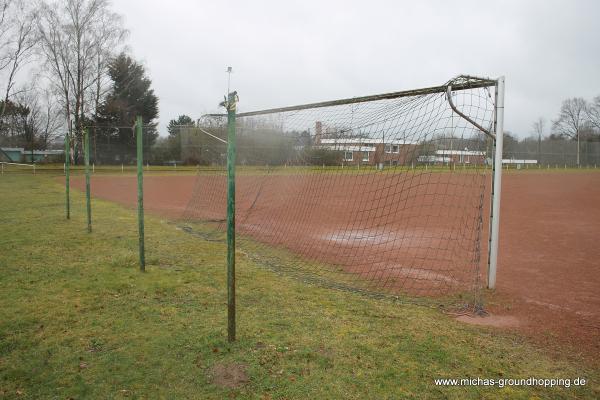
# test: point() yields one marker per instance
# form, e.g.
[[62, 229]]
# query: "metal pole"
[[86, 148], [32, 159], [540, 144], [140, 179], [497, 184], [67, 173], [231, 153], [577, 148]]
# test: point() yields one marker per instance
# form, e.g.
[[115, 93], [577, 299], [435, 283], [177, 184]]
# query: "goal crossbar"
[[470, 83]]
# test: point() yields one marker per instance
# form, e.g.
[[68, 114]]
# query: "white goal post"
[[497, 184], [496, 134]]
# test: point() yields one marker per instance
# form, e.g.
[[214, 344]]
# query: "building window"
[[392, 148], [348, 156], [365, 156]]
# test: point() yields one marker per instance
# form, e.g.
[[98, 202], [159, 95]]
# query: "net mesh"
[[384, 196]]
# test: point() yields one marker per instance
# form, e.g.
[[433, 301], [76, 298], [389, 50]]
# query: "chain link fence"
[[554, 152]]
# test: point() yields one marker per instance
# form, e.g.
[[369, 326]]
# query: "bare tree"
[[77, 37], [538, 128], [108, 37], [5, 28], [572, 120], [32, 120], [593, 112], [18, 41], [45, 116]]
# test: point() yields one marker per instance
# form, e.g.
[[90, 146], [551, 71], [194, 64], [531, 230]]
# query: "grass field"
[[193, 170], [78, 320]]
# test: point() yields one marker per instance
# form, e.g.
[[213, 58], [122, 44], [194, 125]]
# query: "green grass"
[[78, 320], [162, 170], [284, 261]]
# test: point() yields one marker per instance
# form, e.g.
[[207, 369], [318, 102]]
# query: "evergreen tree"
[[130, 96], [15, 125], [171, 147], [175, 125]]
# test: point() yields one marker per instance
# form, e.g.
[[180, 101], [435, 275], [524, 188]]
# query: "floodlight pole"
[[140, 189], [229, 71], [497, 183], [230, 104], [86, 155]]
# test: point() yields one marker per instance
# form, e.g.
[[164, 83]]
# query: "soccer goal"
[[16, 168], [396, 193]]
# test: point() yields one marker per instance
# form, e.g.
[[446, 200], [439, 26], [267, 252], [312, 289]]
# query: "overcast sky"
[[293, 52]]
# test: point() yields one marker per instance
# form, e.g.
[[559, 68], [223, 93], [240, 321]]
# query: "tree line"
[[63, 67], [573, 136], [258, 142]]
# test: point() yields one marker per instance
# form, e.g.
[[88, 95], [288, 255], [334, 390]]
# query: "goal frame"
[[461, 82]]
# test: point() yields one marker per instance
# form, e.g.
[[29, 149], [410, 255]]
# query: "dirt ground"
[[548, 279], [549, 259], [393, 233]]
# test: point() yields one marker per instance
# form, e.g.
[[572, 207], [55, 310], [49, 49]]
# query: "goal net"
[[381, 194]]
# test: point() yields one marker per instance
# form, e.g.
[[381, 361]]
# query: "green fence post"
[[140, 180], [86, 149], [231, 105], [67, 173]]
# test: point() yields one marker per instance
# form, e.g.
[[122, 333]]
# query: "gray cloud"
[[291, 52]]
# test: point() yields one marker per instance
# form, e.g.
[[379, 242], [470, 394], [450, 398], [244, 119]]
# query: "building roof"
[[48, 152], [342, 147], [364, 141], [38, 152], [460, 153], [511, 161], [434, 159]]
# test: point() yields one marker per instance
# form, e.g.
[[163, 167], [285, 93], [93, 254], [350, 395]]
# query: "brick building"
[[367, 151], [371, 151]]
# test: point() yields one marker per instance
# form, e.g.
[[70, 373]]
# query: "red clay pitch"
[[549, 260]]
